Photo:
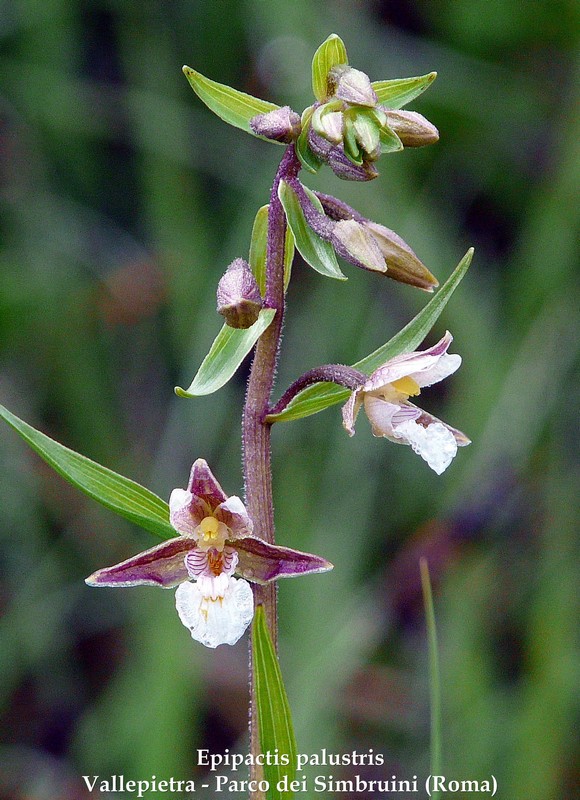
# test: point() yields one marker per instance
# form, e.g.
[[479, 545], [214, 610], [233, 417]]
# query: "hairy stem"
[[255, 430], [349, 377]]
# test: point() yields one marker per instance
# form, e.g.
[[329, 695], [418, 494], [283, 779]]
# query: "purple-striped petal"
[[262, 562], [186, 511], [415, 364], [162, 565]]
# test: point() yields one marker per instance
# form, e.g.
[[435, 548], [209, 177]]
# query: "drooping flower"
[[214, 544], [385, 396]]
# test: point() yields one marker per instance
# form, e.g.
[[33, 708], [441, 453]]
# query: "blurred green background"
[[122, 200]]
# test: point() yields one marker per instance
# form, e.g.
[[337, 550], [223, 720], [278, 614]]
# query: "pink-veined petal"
[[384, 415], [200, 562], [262, 562], [409, 364], [162, 565], [186, 511], [233, 514], [350, 411], [215, 622]]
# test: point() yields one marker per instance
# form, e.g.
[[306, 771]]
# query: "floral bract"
[[215, 542], [385, 396]]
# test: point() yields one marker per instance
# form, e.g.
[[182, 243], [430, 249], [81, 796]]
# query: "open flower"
[[385, 396], [215, 542]]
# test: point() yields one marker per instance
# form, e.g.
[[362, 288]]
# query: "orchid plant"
[[221, 552]]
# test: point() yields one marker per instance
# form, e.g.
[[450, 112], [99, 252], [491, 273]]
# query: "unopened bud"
[[402, 263], [238, 295], [338, 161], [412, 128], [282, 125], [328, 124], [352, 86], [357, 246]]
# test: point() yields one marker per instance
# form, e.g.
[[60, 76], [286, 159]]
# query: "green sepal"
[[397, 93], [389, 141], [323, 395], [307, 158], [314, 250], [227, 352], [258, 248], [115, 492], [275, 726], [331, 53], [234, 107]]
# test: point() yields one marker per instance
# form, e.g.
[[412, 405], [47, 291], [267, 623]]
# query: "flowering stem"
[[255, 429], [329, 373]]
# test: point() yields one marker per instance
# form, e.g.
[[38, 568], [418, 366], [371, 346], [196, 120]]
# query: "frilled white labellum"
[[220, 620]]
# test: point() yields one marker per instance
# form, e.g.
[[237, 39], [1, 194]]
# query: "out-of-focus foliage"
[[122, 201]]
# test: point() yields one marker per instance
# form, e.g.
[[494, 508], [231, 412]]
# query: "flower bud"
[[282, 125], [412, 128], [338, 161], [352, 86], [402, 263], [356, 245], [238, 295]]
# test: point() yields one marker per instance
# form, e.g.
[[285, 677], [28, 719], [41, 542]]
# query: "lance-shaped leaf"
[[259, 246], [314, 250], [227, 352], [234, 107], [397, 93], [331, 53], [273, 710], [320, 396], [117, 493]]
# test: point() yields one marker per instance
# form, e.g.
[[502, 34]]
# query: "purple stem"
[[329, 373], [255, 430]]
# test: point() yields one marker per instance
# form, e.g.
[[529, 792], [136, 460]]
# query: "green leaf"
[[307, 158], [323, 395], [234, 107], [119, 494], [274, 718], [434, 673], [397, 93], [258, 248], [314, 250], [331, 53], [227, 352]]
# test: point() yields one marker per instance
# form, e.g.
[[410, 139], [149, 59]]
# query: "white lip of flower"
[[385, 396], [215, 540]]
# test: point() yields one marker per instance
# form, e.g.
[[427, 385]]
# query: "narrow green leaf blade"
[[397, 93], [234, 107], [115, 492], [314, 250], [227, 352], [323, 395], [274, 718], [331, 53], [259, 246], [434, 673]]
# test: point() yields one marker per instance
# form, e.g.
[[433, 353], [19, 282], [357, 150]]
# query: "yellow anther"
[[407, 386], [209, 529]]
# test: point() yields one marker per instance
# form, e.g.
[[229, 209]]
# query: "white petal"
[[446, 365], [215, 622], [435, 443]]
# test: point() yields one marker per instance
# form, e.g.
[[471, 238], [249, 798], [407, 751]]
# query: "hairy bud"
[[238, 295], [402, 263], [352, 86], [338, 161], [282, 125], [412, 128]]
